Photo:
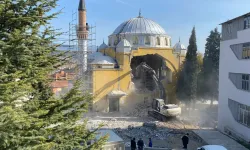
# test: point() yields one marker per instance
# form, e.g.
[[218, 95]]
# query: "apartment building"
[[234, 78]]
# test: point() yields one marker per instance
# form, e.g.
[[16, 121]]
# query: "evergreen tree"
[[30, 116], [210, 72], [187, 84], [200, 77]]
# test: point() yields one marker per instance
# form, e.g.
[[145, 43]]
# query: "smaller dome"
[[124, 43], [94, 55], [179, 46], [103, 46], [101, 59]]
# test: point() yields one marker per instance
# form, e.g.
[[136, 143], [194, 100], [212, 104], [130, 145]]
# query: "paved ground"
[[213, 137]]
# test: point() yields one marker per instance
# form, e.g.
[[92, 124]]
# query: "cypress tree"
[[187, 84], [210, 72], [200, 77], [30, 116]]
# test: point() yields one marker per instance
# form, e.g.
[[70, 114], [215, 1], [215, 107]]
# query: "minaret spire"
[[83, 26], [82, 35], [179, 39], [82, 5]]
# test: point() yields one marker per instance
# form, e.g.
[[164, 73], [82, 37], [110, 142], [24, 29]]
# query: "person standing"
[[140, 144], [150, 143], [133, 144], [185, 140]]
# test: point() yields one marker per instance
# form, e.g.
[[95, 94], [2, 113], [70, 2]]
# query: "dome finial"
[[103, 40], [140, 13], [179, 39]]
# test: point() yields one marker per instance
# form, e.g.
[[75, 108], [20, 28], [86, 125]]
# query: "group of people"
[[140, 144]]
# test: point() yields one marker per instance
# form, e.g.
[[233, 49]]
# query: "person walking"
[[150, 143], [140, 144], [185, 140], [133, 144]]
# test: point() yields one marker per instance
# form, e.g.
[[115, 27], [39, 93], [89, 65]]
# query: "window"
[[240, 112], [135, 40], [244, 114], [247, 22], [158, 41], [166, 41], [245, 82], [116, 41], [246, 51], [109, 42], [147, 40], [229, 28]]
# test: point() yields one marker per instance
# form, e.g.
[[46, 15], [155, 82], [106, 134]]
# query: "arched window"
[[147, 40], [115, 41], [135, 40], [110, 41], [166, 41], [158, 41]]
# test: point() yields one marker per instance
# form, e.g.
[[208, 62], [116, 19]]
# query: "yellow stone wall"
[[106, 80]]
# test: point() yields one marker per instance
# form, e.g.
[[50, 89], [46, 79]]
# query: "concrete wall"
[[227, 90]]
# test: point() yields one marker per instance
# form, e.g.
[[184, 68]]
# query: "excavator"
[[159, 110]]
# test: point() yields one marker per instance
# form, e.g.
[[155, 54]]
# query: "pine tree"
[[30, 116], [210, 72], [187, 86]]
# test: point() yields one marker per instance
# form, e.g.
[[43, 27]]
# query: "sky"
[[177, 17]]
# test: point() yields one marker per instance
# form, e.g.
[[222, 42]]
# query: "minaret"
[[82, 34]]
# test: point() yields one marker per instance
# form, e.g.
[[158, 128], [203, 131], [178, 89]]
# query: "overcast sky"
[[177, 17]]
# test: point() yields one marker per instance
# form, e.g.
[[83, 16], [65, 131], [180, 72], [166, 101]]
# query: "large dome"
[[140, 32], [140, 25]]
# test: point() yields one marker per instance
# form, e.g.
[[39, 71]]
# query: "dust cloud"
[[201, 114]]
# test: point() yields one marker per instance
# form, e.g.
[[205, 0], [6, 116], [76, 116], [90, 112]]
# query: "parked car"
[[212, 147]]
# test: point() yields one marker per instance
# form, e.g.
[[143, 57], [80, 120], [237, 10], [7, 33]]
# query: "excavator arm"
[[143, 67]]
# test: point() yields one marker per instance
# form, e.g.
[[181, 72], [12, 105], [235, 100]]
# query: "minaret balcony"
[[82, 28]]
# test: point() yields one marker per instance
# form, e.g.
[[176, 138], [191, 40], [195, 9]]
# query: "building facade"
[[113, 66], [234, 78]]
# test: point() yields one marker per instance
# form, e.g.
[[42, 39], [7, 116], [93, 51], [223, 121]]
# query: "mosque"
[[113, 66]]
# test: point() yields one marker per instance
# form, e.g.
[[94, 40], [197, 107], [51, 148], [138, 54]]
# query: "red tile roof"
[[60, 84]]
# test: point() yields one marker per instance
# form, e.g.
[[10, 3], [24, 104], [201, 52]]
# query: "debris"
[[130, 127], [150, 124], [113, 119]]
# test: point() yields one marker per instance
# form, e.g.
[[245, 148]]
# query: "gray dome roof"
[[178, 46], [139, 25], [103, 46]]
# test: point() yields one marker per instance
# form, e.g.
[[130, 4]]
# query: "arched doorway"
[[145, 81]]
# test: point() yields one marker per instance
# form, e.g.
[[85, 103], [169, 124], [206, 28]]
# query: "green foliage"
[[210, 70], [30, 116], [187, 82]]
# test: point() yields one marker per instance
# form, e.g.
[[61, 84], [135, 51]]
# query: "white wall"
[[230, 63]]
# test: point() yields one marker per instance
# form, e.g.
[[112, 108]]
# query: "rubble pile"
[[164, 134], [140, 110]]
